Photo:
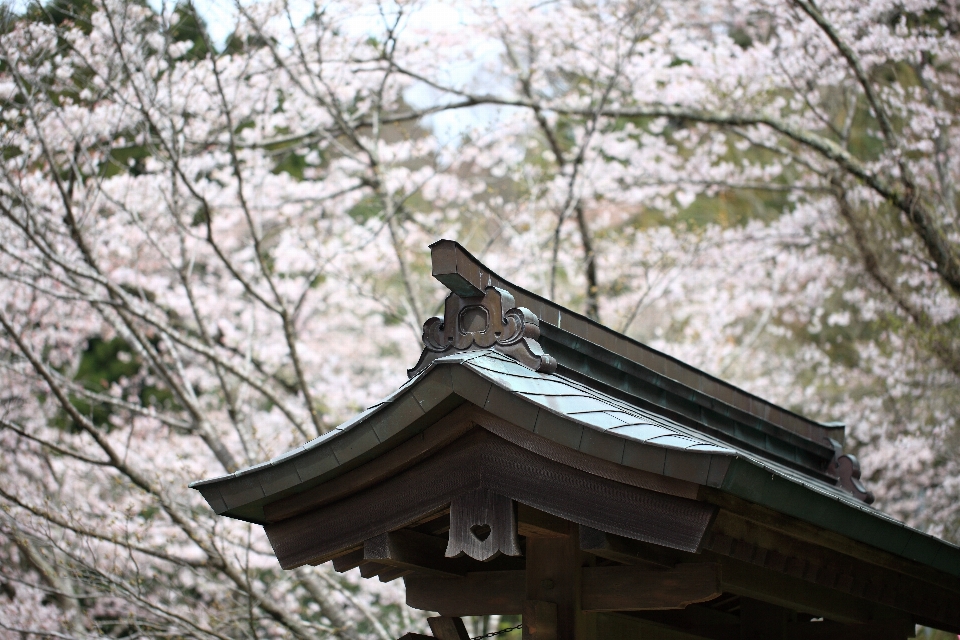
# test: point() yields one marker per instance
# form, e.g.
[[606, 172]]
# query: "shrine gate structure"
[[540, 464]]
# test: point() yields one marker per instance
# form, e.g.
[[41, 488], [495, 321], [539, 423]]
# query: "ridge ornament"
[[480, 322]]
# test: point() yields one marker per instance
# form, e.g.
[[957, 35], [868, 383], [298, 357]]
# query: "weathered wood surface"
[[348, 561], [481, 460], [392, 573], [415, 551], [554, 574], [445, 431], [475, 594], [618, 549], [626, 588], [766, 521], [448, 628], [582, 461], [403, 456], [752, 580], [371, 569], [483, 524], [412, 550], [757, 544], [533, 523], [539, 620]]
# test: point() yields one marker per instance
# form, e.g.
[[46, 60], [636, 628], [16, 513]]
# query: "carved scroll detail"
[[846, 468], [490, 321], [482, 525]]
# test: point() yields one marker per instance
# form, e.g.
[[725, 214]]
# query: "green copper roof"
[[575, 415]]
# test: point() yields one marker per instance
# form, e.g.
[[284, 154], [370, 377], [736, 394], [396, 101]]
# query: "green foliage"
[[60, 12], [102, 364], [366, 209], [235, 45], [293, 164], [190, 27]]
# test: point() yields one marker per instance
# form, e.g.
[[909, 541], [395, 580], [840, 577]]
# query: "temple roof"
[[576, 416], [609, 401]]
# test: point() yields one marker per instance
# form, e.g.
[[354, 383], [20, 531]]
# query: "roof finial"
[[487, 321]]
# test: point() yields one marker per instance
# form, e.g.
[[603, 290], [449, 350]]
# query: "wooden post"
[[553, 575], [447, 628]]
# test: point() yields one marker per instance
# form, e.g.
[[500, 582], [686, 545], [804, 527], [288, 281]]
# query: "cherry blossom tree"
[[214, 252]]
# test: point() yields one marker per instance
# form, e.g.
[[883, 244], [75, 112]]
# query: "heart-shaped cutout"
[[480, 531]]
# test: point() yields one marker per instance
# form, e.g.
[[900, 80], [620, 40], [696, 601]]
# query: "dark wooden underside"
[[481, 460], [608, 552]]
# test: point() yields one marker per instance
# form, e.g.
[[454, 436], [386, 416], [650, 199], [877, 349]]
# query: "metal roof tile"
[[559, 429], [600, 419], [498, 363], [601, 444], [711, 448], [673, 441], [642, 432], [625, 417], [568, 403], [539, 386], [315, 463]]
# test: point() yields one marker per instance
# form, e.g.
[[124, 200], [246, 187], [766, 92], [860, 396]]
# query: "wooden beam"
[[626, 588], [748, 541], [626, 551], [411, 550], [475, 594], [533, 523], [776, 588], [448, 628], [371, 569], [553, 574], [392, 573], [768, 520], [348, 561], [747, 579], [539, 620]]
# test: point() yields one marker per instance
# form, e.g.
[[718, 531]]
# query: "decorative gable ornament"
[[480, 322]]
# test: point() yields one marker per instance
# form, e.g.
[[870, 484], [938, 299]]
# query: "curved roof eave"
[[578, 417]]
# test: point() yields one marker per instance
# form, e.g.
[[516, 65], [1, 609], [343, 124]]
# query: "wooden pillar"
[[553, 572], [448, 628]]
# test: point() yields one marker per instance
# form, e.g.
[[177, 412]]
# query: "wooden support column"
[[448, 628], [553, 575]]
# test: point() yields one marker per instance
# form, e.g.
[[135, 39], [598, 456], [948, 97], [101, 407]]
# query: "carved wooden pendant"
[[482, 525], [846, 468], [490, 321]]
